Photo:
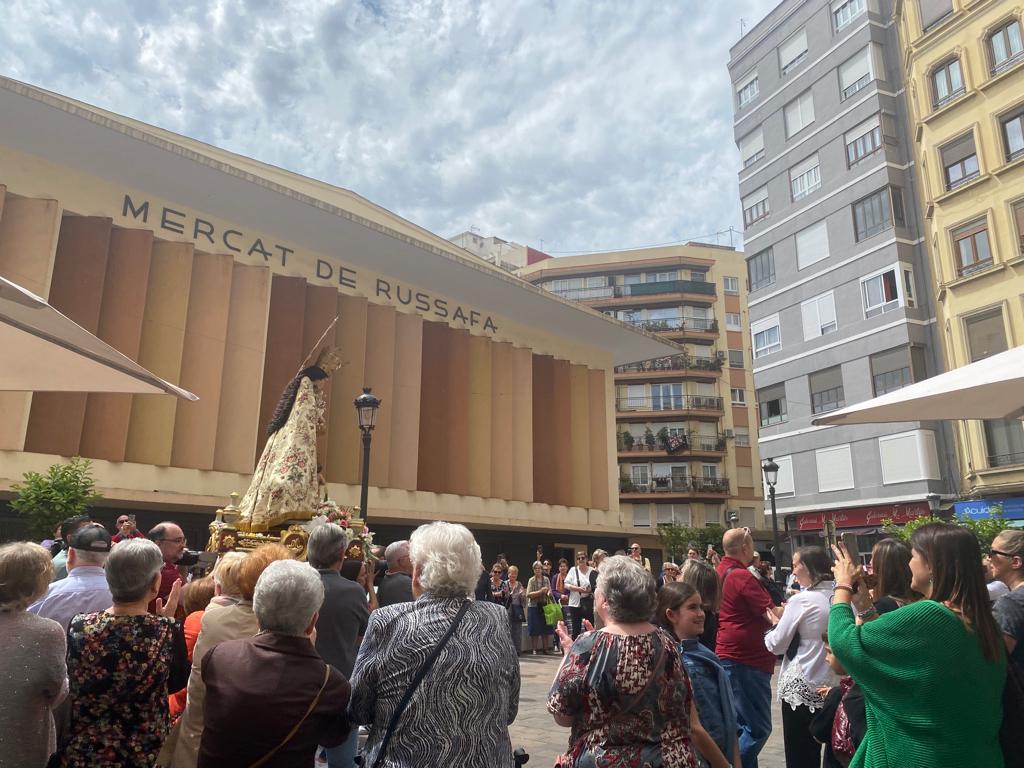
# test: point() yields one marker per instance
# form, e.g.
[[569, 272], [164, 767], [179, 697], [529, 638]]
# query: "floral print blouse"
[[120, 670], [629, 697]]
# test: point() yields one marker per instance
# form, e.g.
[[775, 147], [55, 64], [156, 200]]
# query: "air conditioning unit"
[[720, 355], [729, 433]]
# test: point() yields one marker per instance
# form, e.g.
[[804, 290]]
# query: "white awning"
[[44, 351], [992, 388]]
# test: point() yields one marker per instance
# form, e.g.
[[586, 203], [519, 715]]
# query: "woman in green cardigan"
[[932, 672]]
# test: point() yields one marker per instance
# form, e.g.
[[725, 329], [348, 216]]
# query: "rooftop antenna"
[[743, 26]]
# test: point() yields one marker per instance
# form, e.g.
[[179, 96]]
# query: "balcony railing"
[[586, 294], [677, 485], [669, 403], [675, 324], [637, 289], [687, 442], [1005, 459], [673, 363]]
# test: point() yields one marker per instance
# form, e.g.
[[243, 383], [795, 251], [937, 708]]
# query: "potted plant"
[[663, 438], [628, 440], [649, 439]]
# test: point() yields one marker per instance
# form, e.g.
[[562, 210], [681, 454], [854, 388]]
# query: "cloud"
[[579, 125]]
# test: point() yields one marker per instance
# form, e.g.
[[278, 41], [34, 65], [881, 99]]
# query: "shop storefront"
[[866, 522]]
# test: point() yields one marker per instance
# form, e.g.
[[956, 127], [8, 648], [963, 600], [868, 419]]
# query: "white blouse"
[[799, 678]]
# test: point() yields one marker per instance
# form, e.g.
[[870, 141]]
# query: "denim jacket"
[[712, 694]]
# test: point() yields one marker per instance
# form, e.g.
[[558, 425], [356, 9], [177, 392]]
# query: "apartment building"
[[685, 423], [840, 306], [964, 68]]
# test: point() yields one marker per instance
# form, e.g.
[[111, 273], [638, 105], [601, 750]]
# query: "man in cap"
[[85, 589], [60, 560]]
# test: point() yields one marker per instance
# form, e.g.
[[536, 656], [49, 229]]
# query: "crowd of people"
[[268, 661]]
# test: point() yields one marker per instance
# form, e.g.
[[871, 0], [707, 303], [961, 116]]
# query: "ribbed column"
[[432, 466], [545, 447], [284, 345], [343, 439], [28, 240], [105, 427], [561, 433], [457, 427], [380, 377], [600, 479], [151, 428], [480, 424], [241, 382], [76, 289], [503, 422], [522, 388], [579, 434], [202, 361], [405, 402]]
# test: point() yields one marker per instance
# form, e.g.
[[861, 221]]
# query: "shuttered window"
[[793, 52], [934, 11], [819, 316], [855, 73], [812, 244], [752, 147], [835, 468]]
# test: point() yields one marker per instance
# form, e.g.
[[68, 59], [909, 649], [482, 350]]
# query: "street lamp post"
[[771, 476], [366, 409], [934, 501]]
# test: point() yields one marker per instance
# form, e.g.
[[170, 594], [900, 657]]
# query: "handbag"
[[552, 613], [295, 729], [416, 683], [1011, 736]]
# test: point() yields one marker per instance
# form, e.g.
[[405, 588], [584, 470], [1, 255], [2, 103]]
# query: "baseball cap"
[[91, 538]]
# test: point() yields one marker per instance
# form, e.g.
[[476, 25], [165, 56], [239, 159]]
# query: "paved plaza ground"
[[535, 729]]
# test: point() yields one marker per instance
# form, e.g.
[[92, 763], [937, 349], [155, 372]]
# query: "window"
[[971, 245], [864, 140], [761, 269], [827, 390], [742, 437], [640, 474], [845, 11], [666, 397], [755, 206], [835, 468], [739, 396], [959, 161], [884, 291], [819, 316], [855, 73], [771, 404], [767, 337], [877, 212], [735, 358], [641, 515], [698, 276], [908, 456], [1004, 438], [934, 11], [804, 177], [747, 90], [1004, 46], [731, 285], [1013, 133], [799, 113], [793, 52], [896, 368], [733, 321], [811, 244], [752, 148], [673, 514], [660, 277], [784, 484], [947, 82], [1018, 217], [986, 334]]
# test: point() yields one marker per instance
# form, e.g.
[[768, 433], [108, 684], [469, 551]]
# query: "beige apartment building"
[[686, 430]]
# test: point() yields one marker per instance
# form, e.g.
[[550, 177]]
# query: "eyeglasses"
[[634, 549], [581, 557], [997, 552], [179, 540]]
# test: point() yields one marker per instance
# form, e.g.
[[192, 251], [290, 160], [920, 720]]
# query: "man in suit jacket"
[[272, 695]]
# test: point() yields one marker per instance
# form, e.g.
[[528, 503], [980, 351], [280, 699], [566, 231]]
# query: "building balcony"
[[641, 294], [689, 446], [672, 367], [669, 407], [696, 329], [671, 488]]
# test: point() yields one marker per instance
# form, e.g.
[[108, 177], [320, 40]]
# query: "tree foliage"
[[64, 491], [984, 530], [676, 538]]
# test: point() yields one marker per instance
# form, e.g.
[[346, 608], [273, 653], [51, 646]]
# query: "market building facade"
[[220, 273]]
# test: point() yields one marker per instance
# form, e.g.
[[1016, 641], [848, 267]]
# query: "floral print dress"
[[629, 697], [120, 669]]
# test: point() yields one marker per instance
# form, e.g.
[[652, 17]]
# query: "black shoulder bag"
[[416, 683]]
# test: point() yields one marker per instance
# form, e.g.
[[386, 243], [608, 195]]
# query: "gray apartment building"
[[839, 299]]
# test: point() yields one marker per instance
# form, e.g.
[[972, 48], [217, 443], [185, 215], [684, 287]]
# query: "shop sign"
[[862, 517], [980, 509]]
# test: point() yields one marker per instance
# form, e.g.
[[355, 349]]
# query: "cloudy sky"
[[566, 125]]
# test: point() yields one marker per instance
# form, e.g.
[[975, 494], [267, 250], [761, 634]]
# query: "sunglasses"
[[997, 552], [581, 557]]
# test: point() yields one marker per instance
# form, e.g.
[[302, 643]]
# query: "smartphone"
[[852, 546], [830, 535]]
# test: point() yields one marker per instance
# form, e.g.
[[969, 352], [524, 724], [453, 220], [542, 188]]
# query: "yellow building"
[[218, 273], [694, 295], [965, 88]]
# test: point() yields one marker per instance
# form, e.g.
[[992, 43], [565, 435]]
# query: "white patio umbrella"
[[992, 388], [42, 350]]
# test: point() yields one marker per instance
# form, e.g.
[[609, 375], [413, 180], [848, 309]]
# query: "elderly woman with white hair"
[[437, 679], [270, 699], [122, 663], [623, 689]]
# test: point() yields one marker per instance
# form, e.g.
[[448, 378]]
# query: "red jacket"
[[741, 620]]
